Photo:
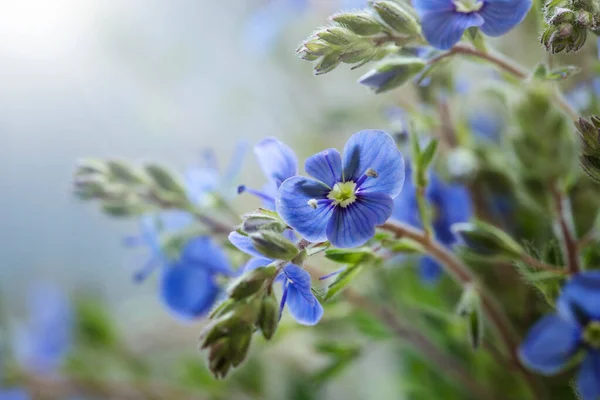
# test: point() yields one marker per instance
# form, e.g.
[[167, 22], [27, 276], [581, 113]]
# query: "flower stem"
[[463, 275], [564, 220], [508, 66], [534, 262]]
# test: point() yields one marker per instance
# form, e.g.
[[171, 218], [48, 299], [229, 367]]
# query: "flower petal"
[[588, 379], [444, 28], [244, 244], [256, 262], [406, 208], [204, 252], [376, 150], [187, 291], [303, 305], [453, 204], [292, 206], [501, 16], [277, 160], [423, 6], [354, 225], [14, 394], [580, 298], [550, 344], [325, 166]]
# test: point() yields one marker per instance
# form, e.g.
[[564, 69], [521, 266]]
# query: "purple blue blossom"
[[297, 293], [451, 204], [347, 198], [445, 21], [189, 286], [43, 341], [556, 339], [278, 162], [14, 394]]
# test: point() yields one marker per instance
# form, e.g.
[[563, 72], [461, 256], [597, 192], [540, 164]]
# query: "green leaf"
[[370, 326], [94, 325], [427, 155], [344, 278], [349, 256], [560, 74], [405, 246]]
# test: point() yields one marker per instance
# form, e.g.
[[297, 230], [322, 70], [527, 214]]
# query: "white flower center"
[[468, 6], [343, 194]]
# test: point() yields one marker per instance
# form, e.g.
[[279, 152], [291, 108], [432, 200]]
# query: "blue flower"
[[189, 284], [14, 394], [297, 294], [44, 340], [349, 198], [451, 203], [278, 162], [554, 340], [445, 21]]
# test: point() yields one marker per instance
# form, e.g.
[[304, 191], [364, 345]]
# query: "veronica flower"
[[278, 162], [297, 294], [451, 204], [189, 286], [445, 21], [348, 198], [44, 340], [556, 339]]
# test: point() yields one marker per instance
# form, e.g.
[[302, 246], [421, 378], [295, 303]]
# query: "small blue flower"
[[554, 340], [451, 203], [445, 21], [278, 162], [349, 198], [297, 294], [44, 340], [14, 394], [189, 284]]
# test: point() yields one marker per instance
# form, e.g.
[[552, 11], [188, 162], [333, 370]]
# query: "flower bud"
[[240, 343], [257, 222], [357, 52], [361, 23], [124, 173], [89, 187], [337, 35], [273, 245], [589, 133], [163, 179], [88, 167], [268, 318], [469, 308], [122, 208], [327, 64], [397, 17], [251, 282], [391, 74], [487, 240], [316, 47]]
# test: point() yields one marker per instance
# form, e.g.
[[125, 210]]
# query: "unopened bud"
[[269, 316], [337, 35], [164, 180], [124, 173], [327, 64], [391, 74], [487, 240], [273, 245], [360, 23], [251, 282], [397, 17]]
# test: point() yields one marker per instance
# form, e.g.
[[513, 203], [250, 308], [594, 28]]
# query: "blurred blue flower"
[[555, 339], [349, 198], [445, 21], [206, 184], [189, 286], [278, 162], [451, 204], [486, 125], [582, 96], [297, 294], [44, 340], [14, 394]]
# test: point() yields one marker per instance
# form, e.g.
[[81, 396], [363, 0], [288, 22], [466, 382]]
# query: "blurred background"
[[152, 80]]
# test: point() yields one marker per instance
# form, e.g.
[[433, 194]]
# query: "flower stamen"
[[343, 194], [468, 6], [591, 335]]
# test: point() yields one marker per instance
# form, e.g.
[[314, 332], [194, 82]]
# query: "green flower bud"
[[273, 245], [591, 166], [361, 23], [316, 47], [88, 167], [398, 17], [469, 308], [89, 187], [240, 344], [258, 222], [487, 240], [251, 282], [269, 316], [337, 35], [589, 133], [327, 64], [123, 208], [164, 180], [122, 172], [357, 52]]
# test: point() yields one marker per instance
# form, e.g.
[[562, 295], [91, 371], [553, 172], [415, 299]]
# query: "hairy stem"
[[538, 264], [564, 221]]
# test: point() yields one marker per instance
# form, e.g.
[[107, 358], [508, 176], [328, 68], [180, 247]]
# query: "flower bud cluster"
[[124, 190], [568, 23], [360, 37]]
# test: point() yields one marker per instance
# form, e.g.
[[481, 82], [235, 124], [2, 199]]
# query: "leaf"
[[371, 326], [563, 73], [349, 256], [344, 278], [94, 325], [428, 154], [405, 246]]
